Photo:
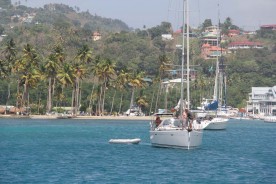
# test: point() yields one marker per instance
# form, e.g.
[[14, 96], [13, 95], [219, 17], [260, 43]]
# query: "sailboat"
[[214, 107], [172, 132]]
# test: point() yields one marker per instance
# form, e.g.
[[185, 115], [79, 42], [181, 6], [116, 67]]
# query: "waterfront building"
[[262, 100]]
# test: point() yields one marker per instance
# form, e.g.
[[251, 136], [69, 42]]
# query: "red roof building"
[[244, 45], [233, 32], [209, 51], [269, 27]]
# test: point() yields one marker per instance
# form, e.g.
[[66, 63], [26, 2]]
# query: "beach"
[[148, 118]]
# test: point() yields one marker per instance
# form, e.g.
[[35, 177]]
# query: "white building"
[[262, 100]]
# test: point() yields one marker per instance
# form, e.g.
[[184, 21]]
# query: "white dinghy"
[[125, 141]]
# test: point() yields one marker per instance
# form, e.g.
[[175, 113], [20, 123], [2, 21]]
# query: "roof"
[[216, 48], [206, 45], [234, 31], [245, 43], [269, 26], [264, 90]]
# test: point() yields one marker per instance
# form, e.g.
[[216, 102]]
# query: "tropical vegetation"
[[53, 62]]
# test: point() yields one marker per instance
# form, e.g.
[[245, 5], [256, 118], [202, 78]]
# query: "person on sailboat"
[[157, 121], [188, 117]]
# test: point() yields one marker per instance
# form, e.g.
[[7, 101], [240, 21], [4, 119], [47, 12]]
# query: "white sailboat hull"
[[177, 138], [217, 124]]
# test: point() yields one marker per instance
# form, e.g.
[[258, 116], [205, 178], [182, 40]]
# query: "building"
[[208, 51], [96, 36], [210, 38], [233, 33], [233, 46], [262, 100], [166, 37], [269, 27], [212, 29]]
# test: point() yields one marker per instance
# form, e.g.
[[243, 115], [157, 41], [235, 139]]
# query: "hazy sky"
[[247, 14]]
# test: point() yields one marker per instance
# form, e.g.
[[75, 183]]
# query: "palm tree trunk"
[[8, 98], [131, 100], [17, 104], [120, 107], [73, 100], [77, 95], [49, 101], [112, 102], [104, 96], [90, 100], [79, 104], [100, 101]]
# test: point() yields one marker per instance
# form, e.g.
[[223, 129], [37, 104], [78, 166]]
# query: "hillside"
[[58, 30]]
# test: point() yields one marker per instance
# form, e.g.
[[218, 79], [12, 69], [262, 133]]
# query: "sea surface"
[[77, 151]]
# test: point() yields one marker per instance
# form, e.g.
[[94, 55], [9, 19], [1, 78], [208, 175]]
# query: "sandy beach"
[[147, 118]]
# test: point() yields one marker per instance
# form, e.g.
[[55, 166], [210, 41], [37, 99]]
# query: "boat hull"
[[176, 138], [217, 124], [270, 119]]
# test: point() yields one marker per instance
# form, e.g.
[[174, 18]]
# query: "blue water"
[[77, 151]]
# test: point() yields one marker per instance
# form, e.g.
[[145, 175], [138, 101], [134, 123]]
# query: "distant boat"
[[125, 141], [214, 106], [63, 116], [270, 119]]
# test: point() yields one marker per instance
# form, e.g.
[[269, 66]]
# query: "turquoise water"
[[77, 151]]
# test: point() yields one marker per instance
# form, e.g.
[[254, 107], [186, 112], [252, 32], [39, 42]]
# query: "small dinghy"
[[125, 141]]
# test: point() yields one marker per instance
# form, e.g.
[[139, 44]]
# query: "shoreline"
[[148, 118]]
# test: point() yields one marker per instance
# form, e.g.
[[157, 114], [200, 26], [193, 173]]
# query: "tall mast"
[[215, 97], [188, 54], [182, 61]]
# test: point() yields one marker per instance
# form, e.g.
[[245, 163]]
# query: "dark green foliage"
[[5, 4]]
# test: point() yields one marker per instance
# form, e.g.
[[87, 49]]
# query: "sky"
[[247, 14]]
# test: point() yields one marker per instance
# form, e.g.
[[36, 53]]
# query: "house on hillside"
[[262, 100], [269, 27], [233, 46], [208, 51], [96, 36], [211, 29], [211, 36], [166, 37], [233, 33]]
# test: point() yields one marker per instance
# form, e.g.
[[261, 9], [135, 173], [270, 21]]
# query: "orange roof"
[[205, 45], [216, 48]]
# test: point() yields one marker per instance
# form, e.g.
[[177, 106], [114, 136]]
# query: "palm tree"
[[136, 81], [84, 57], [142, 102], [30, 78], [120, 83], [79, 72], [9, 53], [51, 68], [66, 76], [30, 73], [105, 73]]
